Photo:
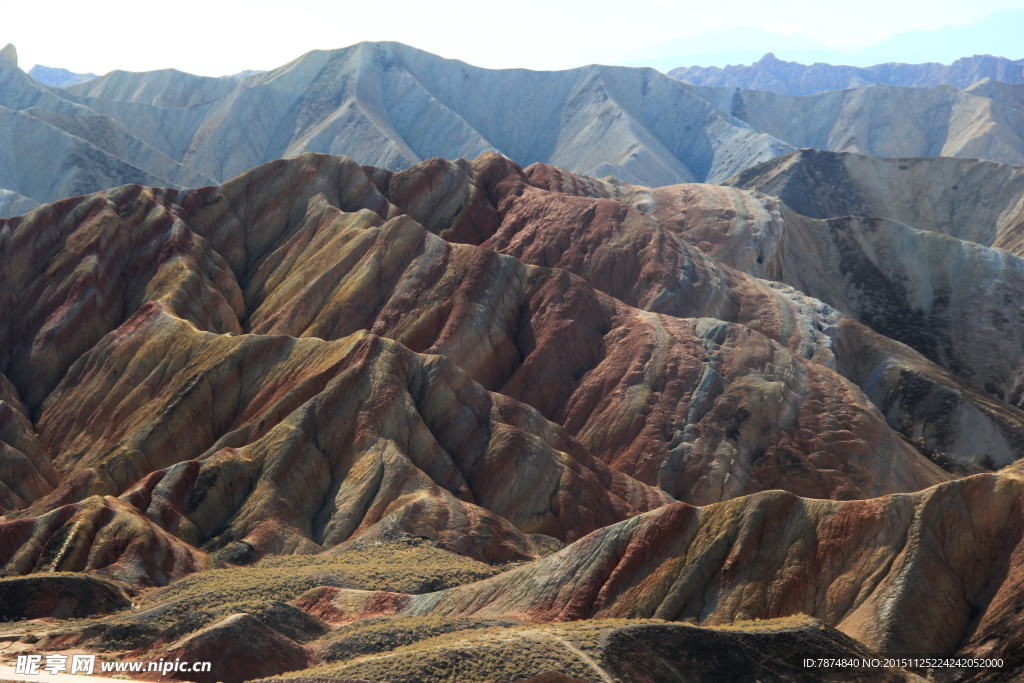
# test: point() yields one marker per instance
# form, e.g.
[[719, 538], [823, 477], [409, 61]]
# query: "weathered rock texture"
[[971, 200], [101, 535], [936, 289], [295, 445], [496, 362], [634, 388], [640, 246]]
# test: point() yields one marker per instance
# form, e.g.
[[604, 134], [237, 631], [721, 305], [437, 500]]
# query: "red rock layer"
[[640, 246], [26, 473], [102, 535], [702, 409], [912, 574], [295, 445]]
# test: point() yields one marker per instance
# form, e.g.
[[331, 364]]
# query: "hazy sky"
[[215, 37]]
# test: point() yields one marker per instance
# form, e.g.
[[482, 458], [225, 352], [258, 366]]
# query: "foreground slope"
[[927, 574]]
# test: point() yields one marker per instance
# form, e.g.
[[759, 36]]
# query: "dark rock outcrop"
[[239, 648], [61, 596]]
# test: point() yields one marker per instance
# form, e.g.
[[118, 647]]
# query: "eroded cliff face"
[[687, 385], [650, 248], [307, 249]]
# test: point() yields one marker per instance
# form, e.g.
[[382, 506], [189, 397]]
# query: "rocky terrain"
[[473, 421], [985, 121], [790, 78], [392, 106], [383, 367], [380, 103]]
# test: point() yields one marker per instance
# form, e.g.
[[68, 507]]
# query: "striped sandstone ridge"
[[295, 445], [101, 536], [914, 286], [930, 573], [640, 246], [672, 402]]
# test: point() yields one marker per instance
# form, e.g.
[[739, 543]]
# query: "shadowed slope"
[[971, 200], [26, 473], [297, 445]]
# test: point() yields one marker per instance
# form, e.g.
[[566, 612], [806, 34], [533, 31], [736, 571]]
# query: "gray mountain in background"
[[391, 106], [380, 103], [986, 121], [57, 146], [792, 78], [13, 204], [731, 45], [58, 78]]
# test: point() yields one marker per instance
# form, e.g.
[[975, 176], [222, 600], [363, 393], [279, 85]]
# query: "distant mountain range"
[[391, 106], [998, 34], [791, 78], [380, 103], [60, 78]]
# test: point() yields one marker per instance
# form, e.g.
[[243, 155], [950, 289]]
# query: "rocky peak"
[[9, 56]]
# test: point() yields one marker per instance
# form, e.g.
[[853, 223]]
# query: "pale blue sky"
[[222, 37]]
